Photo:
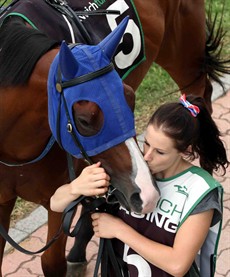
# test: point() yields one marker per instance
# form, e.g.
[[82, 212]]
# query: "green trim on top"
[[196, 170], [218, 236], [176, 176], [213, 184], [24, 17], [204, 174], [197, 202], [143, 42]]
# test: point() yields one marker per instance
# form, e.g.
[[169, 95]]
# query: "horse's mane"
[[20, 49]]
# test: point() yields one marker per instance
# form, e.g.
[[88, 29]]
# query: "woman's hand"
[[105, 225], [92, 181]]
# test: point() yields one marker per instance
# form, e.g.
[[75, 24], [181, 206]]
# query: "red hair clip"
[[192, 108]]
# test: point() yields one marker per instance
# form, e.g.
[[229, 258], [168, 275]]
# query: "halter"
[[41, 156]]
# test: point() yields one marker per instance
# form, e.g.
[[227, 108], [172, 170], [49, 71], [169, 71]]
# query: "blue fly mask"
[[85, 72]]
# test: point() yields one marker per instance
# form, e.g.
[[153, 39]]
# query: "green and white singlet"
[[181, 196]]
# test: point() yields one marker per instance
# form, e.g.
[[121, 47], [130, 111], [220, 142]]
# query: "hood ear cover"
[[108, 45]]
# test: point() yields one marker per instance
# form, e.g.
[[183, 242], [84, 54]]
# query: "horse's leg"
[[76, 258], [53, 259], [5, 212]]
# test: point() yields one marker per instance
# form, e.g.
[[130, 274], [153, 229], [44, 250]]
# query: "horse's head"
[[89, 117]]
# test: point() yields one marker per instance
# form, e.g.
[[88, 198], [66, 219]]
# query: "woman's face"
[[163, 158]]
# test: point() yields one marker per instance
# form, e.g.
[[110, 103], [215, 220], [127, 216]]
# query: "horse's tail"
[[214, 65]]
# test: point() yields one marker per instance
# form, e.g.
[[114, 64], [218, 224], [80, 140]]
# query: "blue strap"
[[42, 155]]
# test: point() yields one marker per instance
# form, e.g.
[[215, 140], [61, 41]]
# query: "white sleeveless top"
[[180, 194]]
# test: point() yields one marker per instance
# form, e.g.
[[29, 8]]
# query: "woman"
[[167, 241]]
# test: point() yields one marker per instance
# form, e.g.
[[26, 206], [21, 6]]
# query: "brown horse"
[[172, 38], [25, 130]]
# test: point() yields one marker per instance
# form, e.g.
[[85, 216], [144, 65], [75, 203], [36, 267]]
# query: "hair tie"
[[194, 110]]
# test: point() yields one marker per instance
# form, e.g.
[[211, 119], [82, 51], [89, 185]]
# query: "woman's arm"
[[92, 181], [175, 260]]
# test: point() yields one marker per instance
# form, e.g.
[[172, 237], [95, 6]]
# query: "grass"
[[156, 88], [21, 210]]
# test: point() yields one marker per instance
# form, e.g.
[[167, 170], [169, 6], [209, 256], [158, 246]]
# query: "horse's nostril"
[[136, 202]]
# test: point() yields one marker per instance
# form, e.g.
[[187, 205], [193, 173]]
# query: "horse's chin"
[[133, 205]]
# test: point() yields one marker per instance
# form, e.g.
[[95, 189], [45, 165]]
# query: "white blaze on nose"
[[142, 177]]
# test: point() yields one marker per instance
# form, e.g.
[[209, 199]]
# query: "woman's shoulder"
[[201, 175], [210, 201], [192, 176]]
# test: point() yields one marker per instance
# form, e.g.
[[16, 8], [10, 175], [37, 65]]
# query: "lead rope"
[[106, 254], [90, 205]]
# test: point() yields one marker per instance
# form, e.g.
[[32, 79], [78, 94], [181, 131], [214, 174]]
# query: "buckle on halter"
[[59, 87], [69, 128], [110, 197]]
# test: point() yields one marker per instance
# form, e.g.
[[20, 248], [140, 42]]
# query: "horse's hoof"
[[76, 269]]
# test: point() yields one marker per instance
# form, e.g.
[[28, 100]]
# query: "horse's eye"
[[83, 122]]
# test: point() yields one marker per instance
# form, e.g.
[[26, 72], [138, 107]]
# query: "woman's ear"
[[187, 152]]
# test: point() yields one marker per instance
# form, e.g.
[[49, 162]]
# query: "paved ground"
[[31, 232]]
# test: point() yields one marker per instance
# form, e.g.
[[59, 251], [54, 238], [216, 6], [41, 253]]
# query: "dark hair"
[[201, 133]]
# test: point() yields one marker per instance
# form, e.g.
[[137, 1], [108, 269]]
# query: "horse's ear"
[[67, 62], [109, 44]]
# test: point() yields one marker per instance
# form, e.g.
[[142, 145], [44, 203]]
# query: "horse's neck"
[[26, 114], [43, 65]]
